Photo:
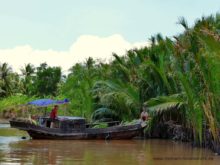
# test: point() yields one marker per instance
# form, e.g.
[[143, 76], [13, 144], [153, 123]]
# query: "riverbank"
[[177, 132], [4, 121]]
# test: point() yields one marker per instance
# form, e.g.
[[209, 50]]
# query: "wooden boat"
[[75, 128]]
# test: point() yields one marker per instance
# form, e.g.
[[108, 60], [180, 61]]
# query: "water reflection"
[[102, 152], [15, 150]]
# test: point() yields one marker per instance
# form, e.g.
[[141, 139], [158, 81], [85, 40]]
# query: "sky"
[[63, 32]]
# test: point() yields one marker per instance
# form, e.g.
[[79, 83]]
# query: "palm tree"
[[78, 87], [27, 73], [176, 76], [123, 99], [6, 83], [28, 70], [195, 70]]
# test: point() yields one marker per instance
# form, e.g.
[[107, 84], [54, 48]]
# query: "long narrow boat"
[[75, 128]]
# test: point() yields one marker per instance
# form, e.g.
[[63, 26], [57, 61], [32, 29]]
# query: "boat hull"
[[115, 132]]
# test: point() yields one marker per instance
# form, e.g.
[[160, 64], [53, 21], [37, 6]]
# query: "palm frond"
[[103, 113], [182, 21], [165, 103]]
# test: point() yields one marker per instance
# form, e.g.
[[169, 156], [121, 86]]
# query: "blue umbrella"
[[47, 102], [62, 101]]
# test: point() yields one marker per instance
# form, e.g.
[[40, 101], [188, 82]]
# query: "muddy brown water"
[[14, 150]]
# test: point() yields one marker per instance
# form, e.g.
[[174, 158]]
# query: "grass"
[[13, 101], [12, 132]]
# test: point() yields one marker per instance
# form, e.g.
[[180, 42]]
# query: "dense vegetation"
[[177, 79]]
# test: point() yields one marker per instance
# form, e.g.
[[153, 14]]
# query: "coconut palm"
[[122, 98], [27, 77], [5, 80], [196, 71]]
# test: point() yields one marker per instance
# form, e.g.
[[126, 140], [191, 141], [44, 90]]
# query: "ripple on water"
[[6, 140], [9, 139], [4, 125], [5, 149], [123, 152]]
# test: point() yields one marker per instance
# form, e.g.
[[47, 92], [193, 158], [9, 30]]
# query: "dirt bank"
[[4, 121]]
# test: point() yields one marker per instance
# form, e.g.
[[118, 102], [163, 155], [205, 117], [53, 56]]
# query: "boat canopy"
[[47, 102]]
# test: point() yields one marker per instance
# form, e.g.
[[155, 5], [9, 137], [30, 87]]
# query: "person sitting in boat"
[[144, 114], [53, 115]]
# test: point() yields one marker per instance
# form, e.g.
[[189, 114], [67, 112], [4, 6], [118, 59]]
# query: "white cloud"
[[85, 46]]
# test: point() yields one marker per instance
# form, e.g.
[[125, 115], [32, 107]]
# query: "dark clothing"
[[144, 118]]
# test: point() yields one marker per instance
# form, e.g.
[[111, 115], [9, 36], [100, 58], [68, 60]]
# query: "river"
[[15, 150]]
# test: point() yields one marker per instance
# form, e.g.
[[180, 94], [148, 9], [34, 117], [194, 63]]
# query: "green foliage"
[[164, 103], [6, 80], [103, 113], [181, 75], [101, 125], [13, 101], [78, 86], [130, 122], [122, 98], [27, 78], [47, 80]]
